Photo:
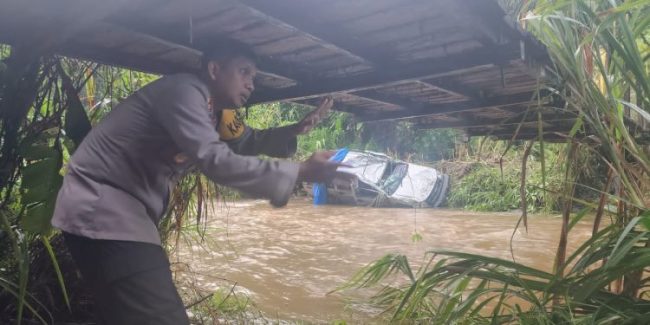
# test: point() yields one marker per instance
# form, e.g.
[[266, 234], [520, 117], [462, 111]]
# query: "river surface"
[[288, 259]]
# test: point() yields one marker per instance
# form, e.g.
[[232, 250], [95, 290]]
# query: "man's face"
[[232, 82]]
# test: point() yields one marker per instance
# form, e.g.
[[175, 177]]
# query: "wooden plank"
[[417, 42], [115, 57], [286, 45], [158, 62], [428, 109], [342, 11], [393, 74], [463, 10], [264, 78], [410, 34], [283, 15], [260, 33], [400, 15], [493, 18], [471, 124], [301, 18], [278, 47], [229, 21], [435, 52], [43, 25], [374, 95], [448, 85], [354, 104], [557, 127], [174, 12], [551, 136], [171, 43], [307, 54], [349, 71]]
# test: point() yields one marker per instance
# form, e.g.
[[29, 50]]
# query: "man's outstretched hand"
[[314, 117], [319, 169]]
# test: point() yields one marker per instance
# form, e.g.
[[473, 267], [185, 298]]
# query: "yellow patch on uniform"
[[230, 126]]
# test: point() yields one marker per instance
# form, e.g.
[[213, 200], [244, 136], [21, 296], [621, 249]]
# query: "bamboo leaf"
[[77, 124], [11, 288], [581, 214], [39, 172], [57, 270], [31, 151], [37, 218], [645, 219], [630, 226]]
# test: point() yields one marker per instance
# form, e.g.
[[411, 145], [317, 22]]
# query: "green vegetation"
[[492, 179], [601, 53], [224, 304], [335, 131], [486, 189], [493, 183], [47, 105], [460, 288], [339, 130]]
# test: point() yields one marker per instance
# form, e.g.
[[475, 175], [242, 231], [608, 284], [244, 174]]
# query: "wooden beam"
[[113, 58], [305, 80], [289, 15], [86, 47], [374, 95], [486, 34], [518, 116], [447, 108], [41, 26], [391, 75], [550, 137], [549, 119], [173, 36], [495, 20], [151, 63], [452, 87], [523, 132]]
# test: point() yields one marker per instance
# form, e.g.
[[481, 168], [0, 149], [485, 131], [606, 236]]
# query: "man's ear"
[[213, 70]]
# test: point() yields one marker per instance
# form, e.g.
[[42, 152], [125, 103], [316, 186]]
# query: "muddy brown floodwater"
[[288, 259]]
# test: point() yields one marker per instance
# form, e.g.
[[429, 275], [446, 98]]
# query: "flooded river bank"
[[289, 259]]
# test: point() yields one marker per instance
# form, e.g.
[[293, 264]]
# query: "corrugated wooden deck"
[[436, 63]]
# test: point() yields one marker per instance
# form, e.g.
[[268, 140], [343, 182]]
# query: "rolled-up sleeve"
[[182, 111]]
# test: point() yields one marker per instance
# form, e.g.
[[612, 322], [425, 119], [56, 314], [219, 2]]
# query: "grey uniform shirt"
[[118, 180]]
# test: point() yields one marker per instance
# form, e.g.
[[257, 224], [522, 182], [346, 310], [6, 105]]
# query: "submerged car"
[[382, 181]]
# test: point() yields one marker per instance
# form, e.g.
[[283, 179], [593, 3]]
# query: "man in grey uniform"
[[118, 180]]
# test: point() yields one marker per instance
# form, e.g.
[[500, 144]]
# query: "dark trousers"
[[131, 281]]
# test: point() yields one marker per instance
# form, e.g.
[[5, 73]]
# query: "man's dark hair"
[[223, 50]]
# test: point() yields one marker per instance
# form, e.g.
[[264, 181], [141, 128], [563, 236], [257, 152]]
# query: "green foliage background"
[[47, 102]]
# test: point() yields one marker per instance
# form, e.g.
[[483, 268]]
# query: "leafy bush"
[[487, 187]]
